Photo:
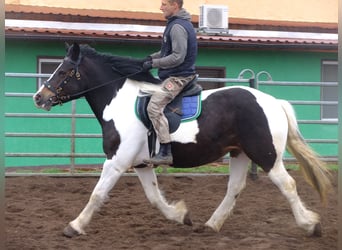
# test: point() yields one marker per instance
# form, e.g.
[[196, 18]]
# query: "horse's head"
[[85, 72], [64, 84]]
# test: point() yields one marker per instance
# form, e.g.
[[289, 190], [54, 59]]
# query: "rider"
[[176, 68]]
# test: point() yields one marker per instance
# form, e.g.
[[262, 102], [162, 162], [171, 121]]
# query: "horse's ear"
[[67, 46], [75, 52]]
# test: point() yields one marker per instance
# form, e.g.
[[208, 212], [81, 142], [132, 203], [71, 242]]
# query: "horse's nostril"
[[37, 97]]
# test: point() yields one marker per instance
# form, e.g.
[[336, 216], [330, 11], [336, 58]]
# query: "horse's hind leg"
[[237, 181], [109, 176], [177, 212], [305, 218]]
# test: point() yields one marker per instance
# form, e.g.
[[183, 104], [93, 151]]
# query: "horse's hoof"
[[187, 220], [317, 232], [70, 232]]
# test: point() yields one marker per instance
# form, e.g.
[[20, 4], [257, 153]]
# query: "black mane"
[[124, 65]]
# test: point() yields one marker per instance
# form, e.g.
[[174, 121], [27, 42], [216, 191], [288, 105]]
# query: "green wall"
[[21, 56]]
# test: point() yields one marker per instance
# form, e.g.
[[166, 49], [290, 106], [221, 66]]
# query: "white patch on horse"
[[121, 111], [186, 133], [121, 108], [276, 118]]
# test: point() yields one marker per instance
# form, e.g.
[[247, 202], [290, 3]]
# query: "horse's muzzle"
[[41, 102]]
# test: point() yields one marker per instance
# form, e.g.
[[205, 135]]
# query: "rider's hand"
[[147, 64]]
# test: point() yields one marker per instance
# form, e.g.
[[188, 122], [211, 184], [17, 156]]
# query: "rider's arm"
[[179, 41], [156, 55]]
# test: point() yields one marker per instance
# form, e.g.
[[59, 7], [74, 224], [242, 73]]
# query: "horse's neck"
[[98, 99]]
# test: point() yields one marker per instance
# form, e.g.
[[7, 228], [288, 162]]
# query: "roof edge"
[[145, 38], [13, 11], [27, 9]]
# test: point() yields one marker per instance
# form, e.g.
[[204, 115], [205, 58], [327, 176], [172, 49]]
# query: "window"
[[47, 66], [211, 72], [329, 93]]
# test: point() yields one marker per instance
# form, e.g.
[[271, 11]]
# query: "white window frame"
[[208, 72], [328, 62], [42, 60]]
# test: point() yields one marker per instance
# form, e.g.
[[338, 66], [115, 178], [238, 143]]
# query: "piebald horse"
[[248, 124]]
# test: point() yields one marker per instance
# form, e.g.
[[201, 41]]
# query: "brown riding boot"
[[164, 156]]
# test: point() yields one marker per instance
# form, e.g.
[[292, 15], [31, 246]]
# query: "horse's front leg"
[[177, 212], [109, 176]]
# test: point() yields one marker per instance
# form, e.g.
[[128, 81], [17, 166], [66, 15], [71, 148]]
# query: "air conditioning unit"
[[213, 17]]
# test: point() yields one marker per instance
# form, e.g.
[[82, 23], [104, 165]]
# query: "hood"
[[183, 14]]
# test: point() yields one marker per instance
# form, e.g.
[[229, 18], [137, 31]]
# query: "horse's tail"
[[314, 170]]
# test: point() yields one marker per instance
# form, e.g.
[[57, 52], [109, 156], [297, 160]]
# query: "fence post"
[[2, 122], [72, 139], [254, 168], [339, 244], [253, 83]]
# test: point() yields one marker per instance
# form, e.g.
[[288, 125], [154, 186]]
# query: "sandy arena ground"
[[38, 208]]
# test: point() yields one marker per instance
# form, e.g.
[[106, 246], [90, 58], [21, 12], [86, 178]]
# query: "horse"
[[250, 125]]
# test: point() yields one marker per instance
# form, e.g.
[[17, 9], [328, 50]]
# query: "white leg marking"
[[305, 218], [109, 176], [237, 181], [149, 182]]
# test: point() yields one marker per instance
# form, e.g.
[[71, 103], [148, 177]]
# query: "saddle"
[[185, 107]]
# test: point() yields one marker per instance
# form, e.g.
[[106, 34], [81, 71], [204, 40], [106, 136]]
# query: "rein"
[[58, 99], [102, 85]]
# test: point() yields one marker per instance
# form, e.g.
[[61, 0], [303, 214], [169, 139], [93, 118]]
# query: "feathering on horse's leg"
[[305, 218], [177, 212], [109, 176], [237, 181]]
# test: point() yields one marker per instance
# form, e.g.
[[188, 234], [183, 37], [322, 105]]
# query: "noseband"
[[57, 98]]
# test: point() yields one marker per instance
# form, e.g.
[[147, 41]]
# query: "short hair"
[[179, 2]]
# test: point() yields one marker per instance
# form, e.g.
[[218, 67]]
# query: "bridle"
[[57, 98], [60, 99]]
